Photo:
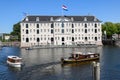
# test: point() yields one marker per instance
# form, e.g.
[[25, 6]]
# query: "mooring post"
[[96, 70]]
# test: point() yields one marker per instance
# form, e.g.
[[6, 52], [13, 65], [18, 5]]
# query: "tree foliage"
[[16, 30], [110, 29], [118, 28]]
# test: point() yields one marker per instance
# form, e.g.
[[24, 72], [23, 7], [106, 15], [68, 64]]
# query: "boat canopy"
[[80, 53], [14, 57], [90, 53]]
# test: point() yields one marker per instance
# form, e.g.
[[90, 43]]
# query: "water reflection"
[[41, 64], [42, 56], [44, 64]]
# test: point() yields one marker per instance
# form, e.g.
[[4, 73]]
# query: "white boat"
[[14, 61]]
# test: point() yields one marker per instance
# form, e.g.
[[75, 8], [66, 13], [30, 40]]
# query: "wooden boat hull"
[[80, 60]]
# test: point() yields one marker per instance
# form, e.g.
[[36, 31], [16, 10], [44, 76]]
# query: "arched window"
[[95, 25], [85, 25], [27, 39], [85, 38], [62, 38], [27, 32], [72, 25], [62, 30], [85, 30], [72, 30], [62, 24], [95, 38], [26, 25], [95, 30], [37, 25], [72, 38], [52, 25], [38, 31], [38, 40]]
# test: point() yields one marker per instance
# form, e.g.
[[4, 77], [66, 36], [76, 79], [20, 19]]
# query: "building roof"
[[33, 18]]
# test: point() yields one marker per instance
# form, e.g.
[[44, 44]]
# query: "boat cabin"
[[80, 55], [14, 59]]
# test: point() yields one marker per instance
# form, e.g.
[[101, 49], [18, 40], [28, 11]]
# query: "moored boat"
[[14, 61], [29, 48], [80, 57]]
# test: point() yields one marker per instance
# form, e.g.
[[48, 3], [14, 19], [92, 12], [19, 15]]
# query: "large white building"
[[60, 30]]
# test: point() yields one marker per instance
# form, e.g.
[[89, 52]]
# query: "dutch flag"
[[64, 8]]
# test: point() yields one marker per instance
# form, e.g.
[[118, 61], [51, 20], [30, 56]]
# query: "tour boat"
[[14, 61], [80, 57]]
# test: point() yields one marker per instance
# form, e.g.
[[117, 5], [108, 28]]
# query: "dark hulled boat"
[[80, 57]]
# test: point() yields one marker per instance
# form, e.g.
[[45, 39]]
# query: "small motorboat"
[[29, 48], [80, 57], [14, 61]]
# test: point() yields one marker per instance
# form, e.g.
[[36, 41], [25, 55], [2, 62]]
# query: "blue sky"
[[11, 11]]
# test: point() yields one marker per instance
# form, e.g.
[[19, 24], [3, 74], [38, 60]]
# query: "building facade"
[[60, 30]]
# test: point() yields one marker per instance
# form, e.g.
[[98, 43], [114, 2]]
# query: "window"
[[95, 38], [37, 31], [72, 30], [85, 30], [95, 30], [27, 32], [85, 25], [37, 25], [62, 38], [72, 26], [52, 39], [99, 30], [52, 31], [26, 25], [75, 38], [72, 38], [85, 38], [27, 40], [23, 39], [62, 24], [52, 25], [44, 30], [95, 25], [62, 30], [75, 30]]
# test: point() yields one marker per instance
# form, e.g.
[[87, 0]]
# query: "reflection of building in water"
[[60, 30]]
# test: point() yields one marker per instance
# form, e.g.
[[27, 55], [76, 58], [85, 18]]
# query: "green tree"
[[16, 31], [118, 28], [110, 29]]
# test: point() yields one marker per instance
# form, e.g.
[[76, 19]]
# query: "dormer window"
[[51, 19], [26, 19], [72, 19], [85, 19], [37, 19], [95, 19]]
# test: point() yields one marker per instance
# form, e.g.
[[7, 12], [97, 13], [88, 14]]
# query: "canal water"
[[44, 64]]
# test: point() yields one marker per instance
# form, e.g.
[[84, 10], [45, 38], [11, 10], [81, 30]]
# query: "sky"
[[12, 11]]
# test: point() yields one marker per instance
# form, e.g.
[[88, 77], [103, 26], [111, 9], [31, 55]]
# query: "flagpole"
[[62, 11]]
